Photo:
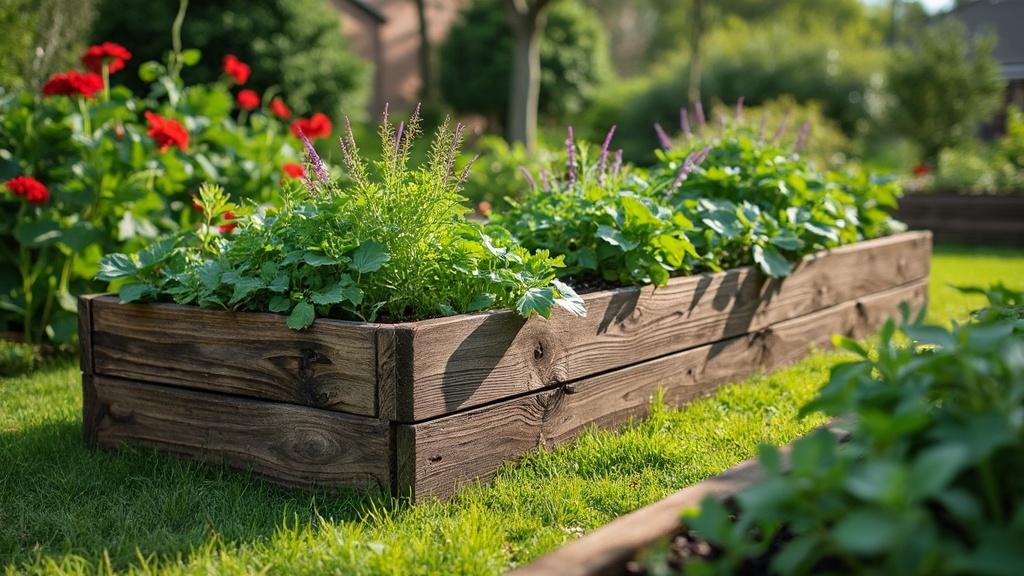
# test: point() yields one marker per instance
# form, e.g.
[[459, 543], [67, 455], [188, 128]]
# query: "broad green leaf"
[[881, 482], [934, 468], [134, 292], [320, 259], [786, 240], [844, 343], [567, 298], [793, 556], [63, 330], [866, 531], [114, 266], [771, 261], [191, 56], [243, 288], [615, 238], [81, 236], [150, 71], [38, 233], [480, 302], [279, 304], [931, 335], [369, 257], [822, 230], [302, 316], [279, 284], [332, 296], [536, 300]]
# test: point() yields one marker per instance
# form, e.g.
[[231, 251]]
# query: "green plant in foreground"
[[393, 243], [931, 481]]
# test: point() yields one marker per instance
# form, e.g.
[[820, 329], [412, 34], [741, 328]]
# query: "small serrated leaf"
[[536, 300]]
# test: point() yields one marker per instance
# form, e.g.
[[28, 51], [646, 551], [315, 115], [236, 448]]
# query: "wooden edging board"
[[996, 219]]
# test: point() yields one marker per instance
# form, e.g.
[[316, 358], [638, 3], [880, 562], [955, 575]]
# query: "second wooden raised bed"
[[422, 407]]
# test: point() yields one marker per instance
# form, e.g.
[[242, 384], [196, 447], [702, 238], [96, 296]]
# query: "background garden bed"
[[421, 407], [966, 218]]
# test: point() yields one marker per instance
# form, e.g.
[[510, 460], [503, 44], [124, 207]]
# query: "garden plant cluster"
[[929, 481]]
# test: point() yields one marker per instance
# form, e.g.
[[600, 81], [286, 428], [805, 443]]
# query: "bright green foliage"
[[476, 60], [753, 202], [984, 168], [112, 188], [596, 215], [392, 243], [943, 86], [293, 46], [497, 173], [931, 479]]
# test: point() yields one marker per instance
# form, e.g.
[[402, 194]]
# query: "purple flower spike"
[[529, 177], [618, 163], [684, 121], [739, 109], [545, 180], [666, 144], [692, 160], [698, 109], [570, 147], [802, 139], [465, 171], [314, 161], [604, 156], [398, 139]]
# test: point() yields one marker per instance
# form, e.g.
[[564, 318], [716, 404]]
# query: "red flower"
[[109, 53], [248, 99], [294, 170], [280, 108], [228, 224], [319, 126], [236, 69], [484, 208], [922, 170], [32, 189], [166, 132], [73, 84]]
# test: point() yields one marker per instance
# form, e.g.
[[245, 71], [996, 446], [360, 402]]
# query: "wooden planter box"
[[420, 407], [966, 218]]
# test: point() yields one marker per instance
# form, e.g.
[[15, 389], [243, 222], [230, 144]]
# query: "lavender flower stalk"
[[691, 161], [684, 122], [529, 177], [314, 161], [570, 147], [604, 156], [739, 109], [666, 144], [698, 109]]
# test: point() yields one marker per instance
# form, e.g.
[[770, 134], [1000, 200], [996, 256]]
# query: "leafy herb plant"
[[391, 243], [930, 481]]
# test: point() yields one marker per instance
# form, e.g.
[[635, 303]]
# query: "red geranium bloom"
[[236, 69], [280, 108], [248, 99], [109, 53], [318, 126], [294, 170], [33, 190], [922, 170], [166, 132], [229, 223], [73, 84]]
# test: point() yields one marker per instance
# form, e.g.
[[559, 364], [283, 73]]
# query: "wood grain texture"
[[290, 445], [85, 333], [607, 550], [435, 456], [330, 365], [456, 363]]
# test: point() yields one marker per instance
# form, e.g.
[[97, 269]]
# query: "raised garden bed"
[[965, 218], [421, 407]]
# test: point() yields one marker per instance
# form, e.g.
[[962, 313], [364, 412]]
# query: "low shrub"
[[17, 358], [930, 480]]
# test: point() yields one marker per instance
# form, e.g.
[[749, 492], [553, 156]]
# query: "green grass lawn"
[[65, 509]]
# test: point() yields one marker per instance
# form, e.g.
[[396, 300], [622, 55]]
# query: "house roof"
[[1006, 19], [368, 9]]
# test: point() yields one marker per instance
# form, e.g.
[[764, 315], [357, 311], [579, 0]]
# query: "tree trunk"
[[526, 20], [427, 88], [696, 40]]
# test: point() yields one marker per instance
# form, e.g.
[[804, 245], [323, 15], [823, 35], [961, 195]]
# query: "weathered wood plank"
[[436, 455], [85, 333], [456, 363], [966, 218], [330, 365], [288, 444]]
